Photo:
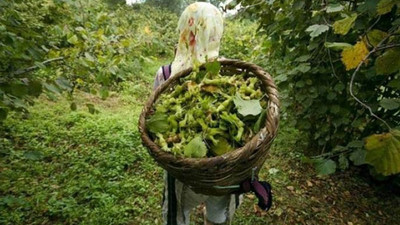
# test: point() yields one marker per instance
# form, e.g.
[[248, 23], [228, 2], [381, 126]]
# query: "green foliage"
[[383, 152], [388, 62], [53, 47], [343, 26], [196, 148], [385, 6], [69, 167], [317, 29], [177, 6], [240, 41], [325, 167], [211, 106], [313, 66], [247, 107], [221, 147], [158, 123], [172, 5], [336, 7]]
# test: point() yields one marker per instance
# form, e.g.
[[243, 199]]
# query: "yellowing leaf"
[[210, 88], [385, 6], [343, 26], [352, 56], [147, 30], [388, 62], [80, 81], [221, 147], [383, 152]]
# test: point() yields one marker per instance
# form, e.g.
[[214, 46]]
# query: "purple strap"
[[261, 189], [166, 70]]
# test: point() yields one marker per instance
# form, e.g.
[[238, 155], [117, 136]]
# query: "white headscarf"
[[200, 30]]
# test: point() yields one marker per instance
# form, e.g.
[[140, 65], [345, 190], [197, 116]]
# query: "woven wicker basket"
[[218, 175]]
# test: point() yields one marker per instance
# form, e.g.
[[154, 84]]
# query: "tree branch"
[[355, 73], [388, 46], [29, 69], [369, 29]]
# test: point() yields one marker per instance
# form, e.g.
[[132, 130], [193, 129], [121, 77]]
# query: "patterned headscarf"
[[200, 30]]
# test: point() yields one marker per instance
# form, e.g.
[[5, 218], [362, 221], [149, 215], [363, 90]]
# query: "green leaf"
[[33, 155], [303, 67], [91, 108], [300, 84], [390, 103], [73, 39], [343, 162], [335, 7], [19, 103], [35, 88], [343, 26], [337, 45], [385, 6], [104, 93], [339, 148], [19, 90], [358, 157], [388, 62], [89, 57], [213, 67], [303, 58], [369, 7], [383, 152], [376, 36], [298, 5], [260, 121], [158, 123], [52, 88], [394, 84], [317, 29], [247, 107], [195, 148], [64, 84], [40, 65], [221, 147], [331, 96], [325, 167], [281, 78], [339, 87], [73, 106], [3, 113], [355, 144]]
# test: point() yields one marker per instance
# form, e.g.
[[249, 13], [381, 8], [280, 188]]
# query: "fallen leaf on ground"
[[290, 188]]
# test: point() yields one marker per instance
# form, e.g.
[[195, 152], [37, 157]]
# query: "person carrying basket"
[[200, 30]]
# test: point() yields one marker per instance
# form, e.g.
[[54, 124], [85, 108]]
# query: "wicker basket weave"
[[218, 175]]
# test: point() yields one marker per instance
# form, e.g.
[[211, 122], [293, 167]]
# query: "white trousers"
[[179, 200]]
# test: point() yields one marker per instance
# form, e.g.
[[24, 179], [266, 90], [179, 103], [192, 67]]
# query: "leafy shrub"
[[75, 44], [323, 54]]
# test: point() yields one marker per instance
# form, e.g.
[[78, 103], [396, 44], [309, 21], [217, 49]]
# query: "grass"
[[59, 166], [70, 167]]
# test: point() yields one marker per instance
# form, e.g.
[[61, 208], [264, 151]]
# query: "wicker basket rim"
[[271, 90]]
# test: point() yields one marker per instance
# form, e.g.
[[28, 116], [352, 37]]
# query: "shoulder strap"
[[166, 71]]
